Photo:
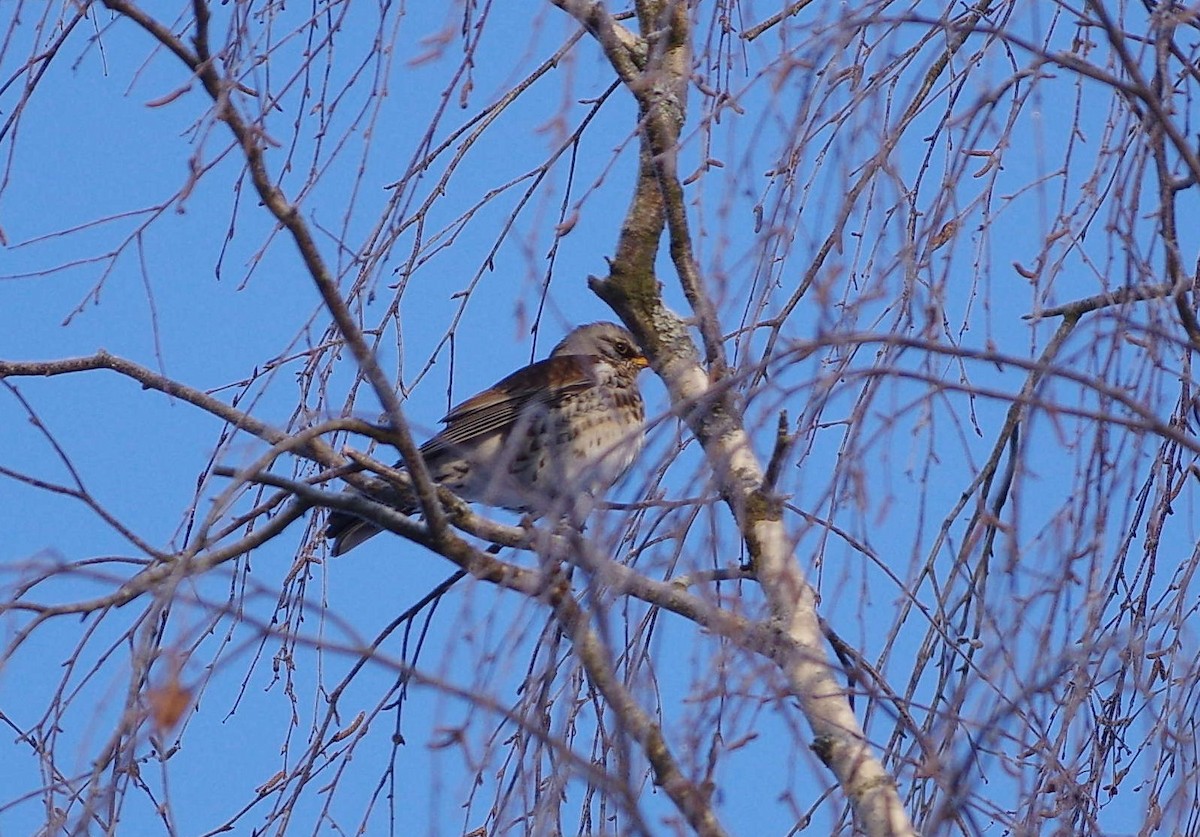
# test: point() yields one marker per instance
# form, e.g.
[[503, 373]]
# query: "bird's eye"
[[624, 349]]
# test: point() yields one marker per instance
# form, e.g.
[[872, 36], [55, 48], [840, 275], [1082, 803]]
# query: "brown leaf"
[[168, 703], [943, 235]]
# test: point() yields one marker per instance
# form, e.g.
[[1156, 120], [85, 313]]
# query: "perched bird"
[[548, 438]]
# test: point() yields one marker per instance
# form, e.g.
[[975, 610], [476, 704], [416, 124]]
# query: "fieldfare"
[[549, 438]]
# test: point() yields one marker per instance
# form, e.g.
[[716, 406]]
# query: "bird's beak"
[[641, 362]]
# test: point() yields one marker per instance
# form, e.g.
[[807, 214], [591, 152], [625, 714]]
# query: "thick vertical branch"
[[713, 415]]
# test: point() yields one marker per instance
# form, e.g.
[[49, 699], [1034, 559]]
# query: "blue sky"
[[106, 135]]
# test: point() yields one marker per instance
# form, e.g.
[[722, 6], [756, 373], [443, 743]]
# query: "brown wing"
[[544, 383]]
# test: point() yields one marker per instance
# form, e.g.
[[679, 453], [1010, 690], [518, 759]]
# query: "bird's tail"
[[347, 531]]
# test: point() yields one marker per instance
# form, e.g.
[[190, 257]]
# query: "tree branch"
[[713, 416], [288, 215]]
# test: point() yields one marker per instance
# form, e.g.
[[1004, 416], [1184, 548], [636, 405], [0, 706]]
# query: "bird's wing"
[[542, 383]]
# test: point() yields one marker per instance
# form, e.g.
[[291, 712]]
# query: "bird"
[[550, 437]]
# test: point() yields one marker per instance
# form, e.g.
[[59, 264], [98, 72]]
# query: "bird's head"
[[607, 340]]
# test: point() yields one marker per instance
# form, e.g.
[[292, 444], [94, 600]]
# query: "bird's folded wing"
[[540, 384]]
